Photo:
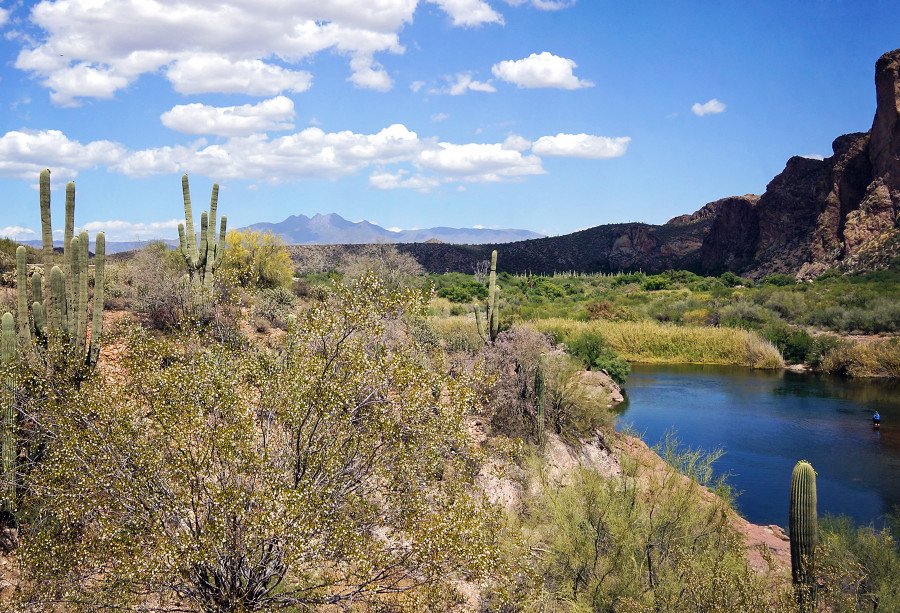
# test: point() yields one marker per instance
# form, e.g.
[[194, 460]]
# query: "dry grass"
[[876, 359], [650, 341]]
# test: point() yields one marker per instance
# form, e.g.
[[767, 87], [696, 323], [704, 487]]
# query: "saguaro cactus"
[[63, 305], [540, 400], [803, 528], [8, 418], [201, 261], [492, 311]]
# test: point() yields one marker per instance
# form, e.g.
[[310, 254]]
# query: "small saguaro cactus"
[[8, 418], [62, 305], [492, 312], [201, 261], [803, 529], [540, 400]]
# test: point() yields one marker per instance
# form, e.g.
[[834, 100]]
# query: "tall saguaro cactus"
[[201, 260], [8, 418], [492, 312], [803, 528], [62, 305]]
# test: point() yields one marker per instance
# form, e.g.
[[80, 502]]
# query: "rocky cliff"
[[817, 214]]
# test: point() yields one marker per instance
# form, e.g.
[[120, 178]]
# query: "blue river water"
[[766, 421]]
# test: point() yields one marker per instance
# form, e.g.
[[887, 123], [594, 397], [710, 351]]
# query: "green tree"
[[333, 469], [256, 260]]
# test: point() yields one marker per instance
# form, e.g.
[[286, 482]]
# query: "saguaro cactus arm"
[[99, 277]]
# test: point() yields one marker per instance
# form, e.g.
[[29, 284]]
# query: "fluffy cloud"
[[116, 230], [461, 83], [17, 232], [708, 108], [540, 70], [91, 50], [514, 142], [581, 146], [4, 16], [205, 73], [273, 114], [544, 5], [469, 12], [24, 154], [397, 157], [479, 163]]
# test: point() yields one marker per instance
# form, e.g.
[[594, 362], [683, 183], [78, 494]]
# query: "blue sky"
[[548, 115]]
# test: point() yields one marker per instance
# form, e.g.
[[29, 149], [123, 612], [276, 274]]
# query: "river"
[[766, 421]]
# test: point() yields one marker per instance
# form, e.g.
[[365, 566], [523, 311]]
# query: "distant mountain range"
[[332, 229]]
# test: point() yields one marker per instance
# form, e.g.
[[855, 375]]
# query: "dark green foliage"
[[729, 279], [795, 345], [781, 280], [464, 292], [656, 282], [596, 354], [804, 533]]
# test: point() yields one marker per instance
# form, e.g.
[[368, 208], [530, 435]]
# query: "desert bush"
[[395, 269], [333, 469], [876, 359], [746, 315], [779, 280], [729, 279], [256, 260], [161, 291], [596, 354], [644, 541], [859, 566], [275, 304], [513, 359], [795, 344]]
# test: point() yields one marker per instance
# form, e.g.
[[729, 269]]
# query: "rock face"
[[819, 214]]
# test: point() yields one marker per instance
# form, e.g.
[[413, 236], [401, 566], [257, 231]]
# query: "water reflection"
[[766, 421]]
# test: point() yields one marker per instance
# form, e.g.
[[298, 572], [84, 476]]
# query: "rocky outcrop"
[[816, 214], [819, 214]]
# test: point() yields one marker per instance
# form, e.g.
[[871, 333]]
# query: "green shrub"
[[729, 279], [795, 344], [656, 282], [778, 279], [275, 304], [596, 354]]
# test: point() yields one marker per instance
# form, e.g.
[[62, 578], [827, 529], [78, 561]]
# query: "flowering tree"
[[332, 469]]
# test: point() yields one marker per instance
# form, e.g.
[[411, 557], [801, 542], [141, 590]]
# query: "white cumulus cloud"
[[581, 146], [16, 232], [469, 12], [708, 108], [479, 163], [544, 5], [24, 154], [4, 16], [461, 83], [272, 114], [540, 70], [208, 73], [89, 49], [514, 142], [402, 179]]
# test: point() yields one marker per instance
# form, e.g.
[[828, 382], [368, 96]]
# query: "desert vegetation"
[[243, 436]]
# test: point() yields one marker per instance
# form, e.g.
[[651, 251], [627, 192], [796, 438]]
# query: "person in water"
[[876, 420]]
